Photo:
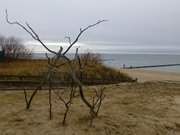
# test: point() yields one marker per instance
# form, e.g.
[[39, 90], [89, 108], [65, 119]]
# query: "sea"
[[117, 55]]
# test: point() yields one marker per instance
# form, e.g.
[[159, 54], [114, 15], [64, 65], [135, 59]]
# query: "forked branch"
[[53, 64], [81, 32], [29, 30]]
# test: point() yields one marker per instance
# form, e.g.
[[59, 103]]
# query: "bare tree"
[[13, 48], [60, 55]]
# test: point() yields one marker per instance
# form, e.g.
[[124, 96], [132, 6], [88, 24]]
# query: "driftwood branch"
[[53, 65]]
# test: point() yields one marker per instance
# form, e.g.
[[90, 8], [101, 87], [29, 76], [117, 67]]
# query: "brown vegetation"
[[93, 69]]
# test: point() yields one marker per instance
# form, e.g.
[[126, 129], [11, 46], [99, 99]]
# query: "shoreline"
[[151, 75]]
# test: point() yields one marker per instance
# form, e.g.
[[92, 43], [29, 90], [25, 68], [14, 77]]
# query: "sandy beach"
[[148, 107], [149, 75]]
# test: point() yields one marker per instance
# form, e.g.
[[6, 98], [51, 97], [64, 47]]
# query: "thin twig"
[[81, 32]]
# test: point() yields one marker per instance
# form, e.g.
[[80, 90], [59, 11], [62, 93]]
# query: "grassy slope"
[[23, 67], [92, 71]]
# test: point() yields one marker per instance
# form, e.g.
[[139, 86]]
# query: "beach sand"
[[148, 107], [149, 75]]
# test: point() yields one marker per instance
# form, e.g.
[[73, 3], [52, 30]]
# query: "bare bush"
[[91, 58], [66, 99]]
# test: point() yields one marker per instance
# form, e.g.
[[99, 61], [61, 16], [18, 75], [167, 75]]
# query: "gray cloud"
[[139, 21]]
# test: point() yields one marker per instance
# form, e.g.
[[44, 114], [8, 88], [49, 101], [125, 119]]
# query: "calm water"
[[117, 60], [115, 54]]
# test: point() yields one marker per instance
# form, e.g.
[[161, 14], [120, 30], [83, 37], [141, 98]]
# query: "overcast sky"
[[153, 22]]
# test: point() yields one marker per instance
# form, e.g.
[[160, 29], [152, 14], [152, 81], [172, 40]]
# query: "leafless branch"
[[53, 64], [96, 104], [32, 33], [67, 103], [19, 24], [81, 32], [25, 96]]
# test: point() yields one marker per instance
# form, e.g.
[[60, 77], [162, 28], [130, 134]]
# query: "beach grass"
[[92, 71]]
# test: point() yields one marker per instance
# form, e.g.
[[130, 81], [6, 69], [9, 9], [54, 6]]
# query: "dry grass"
[[144, 109], [94, 70], [23, 67]]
